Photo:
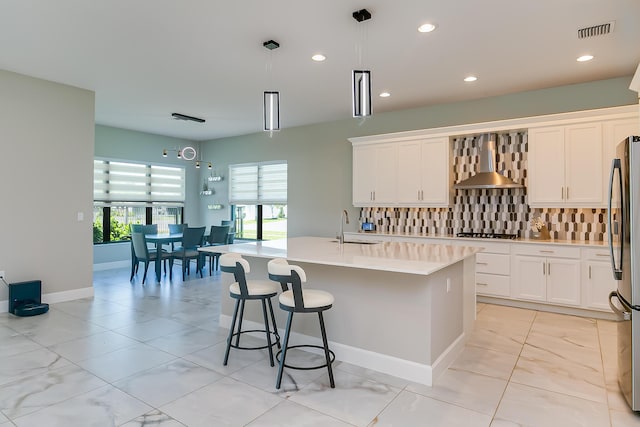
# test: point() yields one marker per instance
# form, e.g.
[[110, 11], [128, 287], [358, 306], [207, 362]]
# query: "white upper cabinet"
[[569, 157], [546, 166], [566, 167], [423, 172], [583, 165], [374, 175], [407, 173], [614, 131]]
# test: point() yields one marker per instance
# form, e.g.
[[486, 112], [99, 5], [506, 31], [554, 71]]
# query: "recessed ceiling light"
[[385, 95], [470, 79], [426, 28], [318, 57], [585, 58]]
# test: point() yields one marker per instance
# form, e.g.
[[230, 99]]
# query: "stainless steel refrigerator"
[[624, 243]]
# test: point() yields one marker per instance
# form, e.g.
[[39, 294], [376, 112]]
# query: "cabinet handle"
[[567, 193], [546, 252], [482, 263], [544, 272], [589, 272], [562, 192], [482, 284], [374, 196], [421, 194], [549, 269], [607, 255]]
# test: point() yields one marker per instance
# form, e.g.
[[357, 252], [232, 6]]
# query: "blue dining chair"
[[146, 229], [232, 230], [142, 253], [176, 228], [191, 240], [219, 235]]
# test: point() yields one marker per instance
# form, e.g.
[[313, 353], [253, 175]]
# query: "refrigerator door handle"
[[622, 313], [617, 270]]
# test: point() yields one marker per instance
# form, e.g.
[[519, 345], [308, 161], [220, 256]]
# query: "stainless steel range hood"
[[487, 177]]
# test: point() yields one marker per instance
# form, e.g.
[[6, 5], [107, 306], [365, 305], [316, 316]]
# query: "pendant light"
[[361, 79], [189, 154], [271, 100], [271, 111]]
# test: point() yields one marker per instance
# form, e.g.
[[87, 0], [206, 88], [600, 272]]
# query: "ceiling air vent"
[[596, 30]]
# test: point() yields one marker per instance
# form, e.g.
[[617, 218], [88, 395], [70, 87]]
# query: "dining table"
[[159, 240]]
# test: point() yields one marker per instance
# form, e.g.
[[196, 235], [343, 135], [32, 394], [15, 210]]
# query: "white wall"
[[46, 179]]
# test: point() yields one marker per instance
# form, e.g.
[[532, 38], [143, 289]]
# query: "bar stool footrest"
[[275, 341], [332, 357]]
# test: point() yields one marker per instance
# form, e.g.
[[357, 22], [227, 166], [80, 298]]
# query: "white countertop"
[[592, 244], [401, 257]]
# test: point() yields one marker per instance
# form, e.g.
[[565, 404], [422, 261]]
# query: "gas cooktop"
[[483, 235]]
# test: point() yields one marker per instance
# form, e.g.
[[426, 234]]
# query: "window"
[[258, 193], [134, 193]]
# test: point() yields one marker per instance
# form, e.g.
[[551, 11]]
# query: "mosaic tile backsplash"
[[490, 210]]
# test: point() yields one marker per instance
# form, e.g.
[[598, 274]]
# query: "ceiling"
[[146, 59]]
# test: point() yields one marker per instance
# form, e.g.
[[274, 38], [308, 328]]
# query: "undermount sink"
[[359, 242]]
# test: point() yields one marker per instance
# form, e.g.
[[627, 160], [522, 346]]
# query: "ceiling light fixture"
[[187, 153], [179, 116], [426, 28], [361, 79], [584, 58], [385, 95], [318, 57], [469, 79], [271, 99]]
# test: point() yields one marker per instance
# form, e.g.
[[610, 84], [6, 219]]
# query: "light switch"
[[80, 216]]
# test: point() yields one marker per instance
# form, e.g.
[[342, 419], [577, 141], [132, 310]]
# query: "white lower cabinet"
[[547, 274], [573, 276], [529, 279], [492, 271], [597, 278], [563, 281]]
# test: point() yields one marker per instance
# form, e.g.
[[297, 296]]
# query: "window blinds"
[[133, 182], [258, 183]]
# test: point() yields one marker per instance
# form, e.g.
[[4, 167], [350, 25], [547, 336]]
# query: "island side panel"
[[447, 309]]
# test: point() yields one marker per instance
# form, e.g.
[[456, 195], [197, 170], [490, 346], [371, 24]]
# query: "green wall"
[[319, 155], [128, 145]]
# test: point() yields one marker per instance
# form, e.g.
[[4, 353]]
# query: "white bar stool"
[[242, 290], [297, 300]]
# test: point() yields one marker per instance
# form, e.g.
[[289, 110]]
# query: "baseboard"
[[71, 295], [55, 297], [559, 309], [111, 265], [447, 357], [401, 368]]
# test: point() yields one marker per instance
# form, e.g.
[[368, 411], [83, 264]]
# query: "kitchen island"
[[400, 308]]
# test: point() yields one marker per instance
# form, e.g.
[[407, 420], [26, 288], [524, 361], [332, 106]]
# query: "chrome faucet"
[[344, 219]]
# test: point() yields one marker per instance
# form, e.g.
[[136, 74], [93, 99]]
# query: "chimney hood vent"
[[487, 177]]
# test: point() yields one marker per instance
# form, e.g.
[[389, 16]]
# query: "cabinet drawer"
[[492, 263], [494, 248], [596, 254], [489, 284], [547, 251]]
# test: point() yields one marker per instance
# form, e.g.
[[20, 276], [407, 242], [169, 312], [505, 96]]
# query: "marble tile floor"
[[151, 355]]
